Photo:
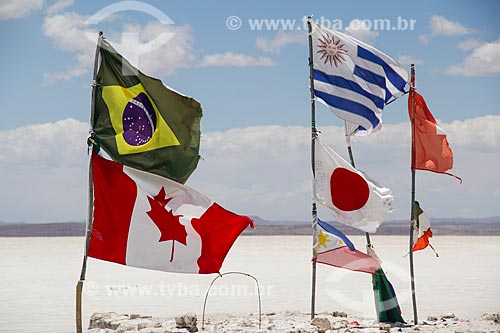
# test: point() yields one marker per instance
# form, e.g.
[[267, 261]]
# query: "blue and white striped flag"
[[354, 79]]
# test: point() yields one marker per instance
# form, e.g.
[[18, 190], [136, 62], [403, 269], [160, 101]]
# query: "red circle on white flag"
[[349, 190]]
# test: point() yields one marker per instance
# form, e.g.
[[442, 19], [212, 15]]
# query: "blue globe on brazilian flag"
[[141, 123]]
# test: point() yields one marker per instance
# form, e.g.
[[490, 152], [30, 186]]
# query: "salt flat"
[[39, 276]]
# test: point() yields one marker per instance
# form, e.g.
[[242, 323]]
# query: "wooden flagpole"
[[79, 285], [411, 98], [313, 140]]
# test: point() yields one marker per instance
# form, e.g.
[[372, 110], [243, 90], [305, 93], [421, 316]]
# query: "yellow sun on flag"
[[138, 124], [323, 239]]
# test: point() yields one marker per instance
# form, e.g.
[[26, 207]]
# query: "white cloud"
[[44, 168], [279, 41], [407, 60], [58, 143], [163, 59], [358, 30], [476, 133], [469, 44], [13, 9], [230, 59], [423, 39], [59, 6], [261, 170], [69, 31], [441, 26], [482, 62]]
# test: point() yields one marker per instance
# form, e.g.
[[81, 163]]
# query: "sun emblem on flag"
[[331, 50], [323, 239]]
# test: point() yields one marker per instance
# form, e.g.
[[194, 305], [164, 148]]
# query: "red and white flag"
[[432, 151], [147, 221], [352, 197]]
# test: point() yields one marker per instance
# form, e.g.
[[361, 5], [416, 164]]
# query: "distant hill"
[[63, 229], [489, 226]]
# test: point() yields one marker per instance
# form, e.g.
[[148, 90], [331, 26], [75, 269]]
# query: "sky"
[[246, 63]]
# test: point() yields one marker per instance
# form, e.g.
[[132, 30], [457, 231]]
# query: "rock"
[[398, 324], [432, 318], [448, 316], [491, 316], [154, 330], [339, 314], [97, 319], [340, 324], [134, 325], [134, 316], [113, 321], [384, 327], [187, 321], [117, 323], [323, 324]]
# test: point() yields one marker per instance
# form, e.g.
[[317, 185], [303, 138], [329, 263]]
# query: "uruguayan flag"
[[354, 79]]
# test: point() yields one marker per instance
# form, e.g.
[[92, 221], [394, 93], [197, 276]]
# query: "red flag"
[[144, 220], [431, 149]]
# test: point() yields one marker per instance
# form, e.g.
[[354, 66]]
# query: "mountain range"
[[489, 226]]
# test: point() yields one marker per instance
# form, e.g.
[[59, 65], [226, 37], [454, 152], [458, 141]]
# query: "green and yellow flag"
[[141, 123]]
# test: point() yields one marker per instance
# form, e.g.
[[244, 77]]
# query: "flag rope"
[[395, 98]]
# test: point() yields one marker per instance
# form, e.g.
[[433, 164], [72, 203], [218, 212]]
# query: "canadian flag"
[[147, 221]]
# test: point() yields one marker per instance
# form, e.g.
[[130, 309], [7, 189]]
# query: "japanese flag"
[[350, 195]]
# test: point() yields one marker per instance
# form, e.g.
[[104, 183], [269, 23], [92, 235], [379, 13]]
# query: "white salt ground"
[[38, 278]]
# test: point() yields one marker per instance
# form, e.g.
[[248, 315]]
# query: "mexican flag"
[[147, 221], [422, 230], [143, 124]]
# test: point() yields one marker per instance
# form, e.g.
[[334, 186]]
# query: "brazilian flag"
[[141, 123]]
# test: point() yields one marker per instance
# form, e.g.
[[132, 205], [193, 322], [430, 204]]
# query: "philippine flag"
[[335, 249], [352, 197]]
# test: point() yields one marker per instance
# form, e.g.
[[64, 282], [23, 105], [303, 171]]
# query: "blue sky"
[[253, 85]]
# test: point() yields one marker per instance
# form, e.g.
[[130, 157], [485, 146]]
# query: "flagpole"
[[411, 98], [313, 139], [90, 209], [351, 157]]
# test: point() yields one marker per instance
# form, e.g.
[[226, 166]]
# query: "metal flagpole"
[[411, 98], [313, 139], [79, 285], [351, 157]]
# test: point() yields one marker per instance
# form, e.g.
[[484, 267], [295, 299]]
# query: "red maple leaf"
[[168, 223]]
